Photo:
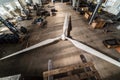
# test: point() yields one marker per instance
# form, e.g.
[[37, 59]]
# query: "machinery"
[[9, 25], [112, 43], [13, 37]]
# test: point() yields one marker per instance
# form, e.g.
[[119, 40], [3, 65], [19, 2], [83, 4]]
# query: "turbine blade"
[[65, 26], [43, 43], [94, 52]]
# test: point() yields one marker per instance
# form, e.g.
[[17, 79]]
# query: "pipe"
[[95, 11]]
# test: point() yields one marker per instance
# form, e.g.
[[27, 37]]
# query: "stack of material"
[[42, 12], [36, 20], [9, 38], [112, 43], [40, 21], [53, 11], [98, 23]]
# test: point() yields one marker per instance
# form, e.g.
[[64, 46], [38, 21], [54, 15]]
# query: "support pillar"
[[73, 3], [78, 2], [95, 11]]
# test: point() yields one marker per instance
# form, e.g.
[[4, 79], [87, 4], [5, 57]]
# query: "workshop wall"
[[4, 1], [114, 9]]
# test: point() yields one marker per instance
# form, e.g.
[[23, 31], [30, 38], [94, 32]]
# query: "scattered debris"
[[111, 43]]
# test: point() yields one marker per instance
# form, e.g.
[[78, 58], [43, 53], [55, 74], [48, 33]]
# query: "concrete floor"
[[62, 53]]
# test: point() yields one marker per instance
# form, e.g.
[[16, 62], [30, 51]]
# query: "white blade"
[[43, 43], [65, 26], [94, 52]]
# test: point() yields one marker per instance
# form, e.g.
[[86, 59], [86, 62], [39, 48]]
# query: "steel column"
[[95, 11]]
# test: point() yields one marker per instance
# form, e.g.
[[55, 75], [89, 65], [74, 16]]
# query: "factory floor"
[[62, 53]]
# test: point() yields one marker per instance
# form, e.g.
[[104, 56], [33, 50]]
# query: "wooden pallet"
[[99, 23], [73, 72]]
